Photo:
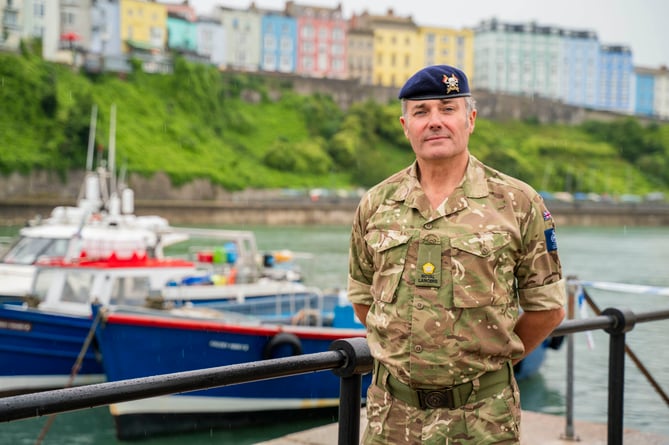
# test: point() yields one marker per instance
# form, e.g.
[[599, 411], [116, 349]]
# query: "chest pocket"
[[482, 268], [389, 248]]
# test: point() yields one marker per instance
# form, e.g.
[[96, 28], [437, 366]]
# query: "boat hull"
[[161, 345], [145, 425], [39, 350]]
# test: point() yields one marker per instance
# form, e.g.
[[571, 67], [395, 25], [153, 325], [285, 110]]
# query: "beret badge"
[[451, 83]]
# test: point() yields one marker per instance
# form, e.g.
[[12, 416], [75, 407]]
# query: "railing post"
[[569, 433], [624, 322], [358, 362]]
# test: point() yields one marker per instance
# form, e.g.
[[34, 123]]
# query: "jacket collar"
[[473, 185]]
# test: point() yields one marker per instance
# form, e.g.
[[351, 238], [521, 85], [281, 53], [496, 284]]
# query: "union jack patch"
[[547, 215]]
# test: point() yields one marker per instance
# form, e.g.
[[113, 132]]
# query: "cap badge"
[[451, 83]]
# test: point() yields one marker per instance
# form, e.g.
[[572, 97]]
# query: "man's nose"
[[434, 119]]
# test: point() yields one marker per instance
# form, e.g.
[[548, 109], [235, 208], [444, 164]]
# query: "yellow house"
[[143, 25], [400, 47], [448, 46], [396, 55]]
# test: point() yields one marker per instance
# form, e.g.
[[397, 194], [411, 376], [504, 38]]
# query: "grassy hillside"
[[244, 131]]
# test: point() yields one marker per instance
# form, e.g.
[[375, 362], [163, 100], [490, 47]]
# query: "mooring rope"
[[629, 351], [629, 288], [73, 373]]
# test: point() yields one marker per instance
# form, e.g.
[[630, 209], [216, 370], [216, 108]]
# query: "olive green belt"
[[451, 397]]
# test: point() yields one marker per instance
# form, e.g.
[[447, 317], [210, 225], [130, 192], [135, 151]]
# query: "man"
[[444, 254]]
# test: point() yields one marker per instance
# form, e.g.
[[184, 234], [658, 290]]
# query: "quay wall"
[[23, 197], [305, 212]]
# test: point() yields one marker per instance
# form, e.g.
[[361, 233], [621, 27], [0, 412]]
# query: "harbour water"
[[637, 255]]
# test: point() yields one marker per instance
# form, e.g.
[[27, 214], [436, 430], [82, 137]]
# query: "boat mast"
[[112, 150], [114, 199], [91, 138]]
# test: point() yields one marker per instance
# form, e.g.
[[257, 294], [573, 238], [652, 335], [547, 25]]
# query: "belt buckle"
[[438, 398]]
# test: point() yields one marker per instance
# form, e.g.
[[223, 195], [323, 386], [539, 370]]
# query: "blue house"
[[181, 33], [615, 79], [644, 99], [278, 48]]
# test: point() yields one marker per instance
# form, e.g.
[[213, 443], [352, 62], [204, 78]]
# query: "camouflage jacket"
[[444, 286]]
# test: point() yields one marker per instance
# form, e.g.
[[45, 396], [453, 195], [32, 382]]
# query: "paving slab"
[[536, 429]]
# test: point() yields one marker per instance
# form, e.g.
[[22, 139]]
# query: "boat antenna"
[[91, 138], [112, 149]]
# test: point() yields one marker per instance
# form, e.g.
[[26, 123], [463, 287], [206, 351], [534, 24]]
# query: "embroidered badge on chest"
[[428, 270]]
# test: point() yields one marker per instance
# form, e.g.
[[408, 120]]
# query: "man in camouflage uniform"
[[444, 254]]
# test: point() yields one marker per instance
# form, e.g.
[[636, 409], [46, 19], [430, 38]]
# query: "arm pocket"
[[390, 249], [482, 269]]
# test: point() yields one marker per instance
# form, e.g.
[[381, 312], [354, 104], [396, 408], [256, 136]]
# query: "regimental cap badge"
[[428, 268], [451, 83], [429, 82]]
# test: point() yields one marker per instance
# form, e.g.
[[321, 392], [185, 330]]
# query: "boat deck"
[[537, 429]]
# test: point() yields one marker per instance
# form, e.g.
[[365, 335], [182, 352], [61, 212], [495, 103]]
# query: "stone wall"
[[220, 213], [500, 107]]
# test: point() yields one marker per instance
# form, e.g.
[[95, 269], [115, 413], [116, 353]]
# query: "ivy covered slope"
[[243, 131]]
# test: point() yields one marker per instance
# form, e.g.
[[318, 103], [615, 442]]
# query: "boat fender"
[[232, 276], [278, 341]]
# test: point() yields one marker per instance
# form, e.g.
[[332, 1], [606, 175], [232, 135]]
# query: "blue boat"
[[43, 339], [138, 344]]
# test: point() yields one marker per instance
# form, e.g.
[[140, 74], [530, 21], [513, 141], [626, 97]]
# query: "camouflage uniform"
[[444, 315]]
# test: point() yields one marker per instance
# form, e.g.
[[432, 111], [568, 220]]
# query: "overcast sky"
[[643, 25]]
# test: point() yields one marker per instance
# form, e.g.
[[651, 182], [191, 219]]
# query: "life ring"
[[278, 341]]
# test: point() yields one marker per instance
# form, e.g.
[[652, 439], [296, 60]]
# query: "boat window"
[[130, 290], [28, 250], [56, 249], [77, 287], [43, 280]]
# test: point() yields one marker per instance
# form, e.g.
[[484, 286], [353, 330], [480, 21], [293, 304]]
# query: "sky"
[[641, 25]]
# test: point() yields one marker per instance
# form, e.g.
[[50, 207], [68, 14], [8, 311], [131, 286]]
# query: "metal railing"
[[349, 359]]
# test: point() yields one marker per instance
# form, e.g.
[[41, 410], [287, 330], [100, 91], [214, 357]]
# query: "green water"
[[637, 255]]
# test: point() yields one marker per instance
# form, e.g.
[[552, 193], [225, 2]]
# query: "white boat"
[[103, 222]]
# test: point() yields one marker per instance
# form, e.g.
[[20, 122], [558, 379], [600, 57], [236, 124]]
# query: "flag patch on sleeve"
[[551, 239]]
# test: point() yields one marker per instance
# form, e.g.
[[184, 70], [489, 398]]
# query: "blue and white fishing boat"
[[43, 339]]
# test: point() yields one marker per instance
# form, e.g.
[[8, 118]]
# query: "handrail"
[[348, 358], [25, 406]]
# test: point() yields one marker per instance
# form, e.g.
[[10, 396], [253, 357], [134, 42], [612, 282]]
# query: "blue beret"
[[436, 82]]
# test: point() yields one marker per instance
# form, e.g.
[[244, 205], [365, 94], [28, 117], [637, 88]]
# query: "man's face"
[[438, 129]]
